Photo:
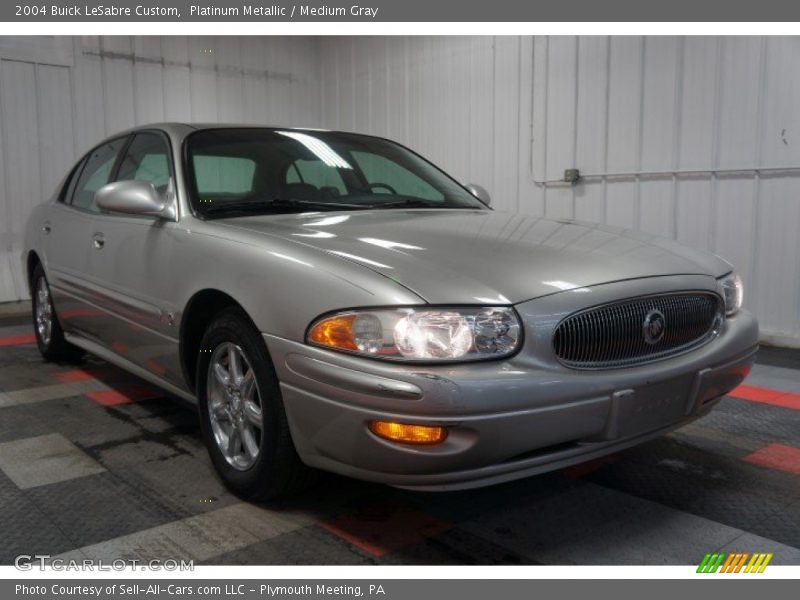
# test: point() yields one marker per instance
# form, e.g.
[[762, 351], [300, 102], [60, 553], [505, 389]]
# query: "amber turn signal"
[[335, 332], [408, 434]]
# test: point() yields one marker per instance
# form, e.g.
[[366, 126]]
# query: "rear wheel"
[[241, 412], [49, 335]]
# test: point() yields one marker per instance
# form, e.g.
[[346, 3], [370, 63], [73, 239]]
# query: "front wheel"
[[241, 412]]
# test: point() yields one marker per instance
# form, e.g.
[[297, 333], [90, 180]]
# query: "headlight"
[[732, 293], [420, 333]]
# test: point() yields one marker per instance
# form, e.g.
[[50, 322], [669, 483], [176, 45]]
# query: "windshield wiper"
[[408, 202], [277, 204], [296, 202]]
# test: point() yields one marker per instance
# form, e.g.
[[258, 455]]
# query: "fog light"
[[408, 434]]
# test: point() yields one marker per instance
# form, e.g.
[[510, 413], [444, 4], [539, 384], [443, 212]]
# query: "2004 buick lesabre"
[[333, 300]]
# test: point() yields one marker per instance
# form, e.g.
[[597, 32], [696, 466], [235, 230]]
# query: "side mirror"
[[135, 198], [479, 192]]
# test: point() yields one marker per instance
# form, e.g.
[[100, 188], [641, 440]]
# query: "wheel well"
[[200, 311], [33, 260]]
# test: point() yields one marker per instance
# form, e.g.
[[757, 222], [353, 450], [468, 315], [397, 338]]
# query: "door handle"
[[98, 241], [46, 227]]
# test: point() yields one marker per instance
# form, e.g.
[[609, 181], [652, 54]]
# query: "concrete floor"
[[95, 463]]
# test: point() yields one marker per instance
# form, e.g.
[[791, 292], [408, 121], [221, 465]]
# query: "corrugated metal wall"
[[694, 138], [59, 96]]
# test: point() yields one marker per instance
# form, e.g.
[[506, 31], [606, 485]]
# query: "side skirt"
[[125, 364]]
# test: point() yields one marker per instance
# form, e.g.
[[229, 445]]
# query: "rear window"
[[316, 173]]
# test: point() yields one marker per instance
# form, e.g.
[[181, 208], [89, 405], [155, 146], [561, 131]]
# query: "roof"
[[184, 128]]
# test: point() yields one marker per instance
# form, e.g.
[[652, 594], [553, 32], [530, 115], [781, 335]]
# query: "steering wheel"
[[385, 186]]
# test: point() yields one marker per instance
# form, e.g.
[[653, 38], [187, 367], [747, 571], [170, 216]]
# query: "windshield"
[[235, 172]]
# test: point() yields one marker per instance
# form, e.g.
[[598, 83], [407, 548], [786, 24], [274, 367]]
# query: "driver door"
[[133, 267]]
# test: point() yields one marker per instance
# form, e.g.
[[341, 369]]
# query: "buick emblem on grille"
[[653, 326]]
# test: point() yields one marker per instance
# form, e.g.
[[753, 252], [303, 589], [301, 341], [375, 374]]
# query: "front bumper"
[[506, 419]]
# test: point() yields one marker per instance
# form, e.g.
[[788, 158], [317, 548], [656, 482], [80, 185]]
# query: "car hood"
[[481, 256]]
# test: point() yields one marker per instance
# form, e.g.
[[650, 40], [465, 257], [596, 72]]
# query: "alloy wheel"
[[234, 406], [44, 311]]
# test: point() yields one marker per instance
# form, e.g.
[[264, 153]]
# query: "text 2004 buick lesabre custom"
[[334, 300]]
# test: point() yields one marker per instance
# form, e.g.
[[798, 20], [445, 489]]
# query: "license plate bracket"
[[650, 407]]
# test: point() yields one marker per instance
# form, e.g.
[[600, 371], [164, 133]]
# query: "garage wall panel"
[[626, 96], [562, 97], [118, 90], [148, 79], [6, 250], [622, 201], [778, 217], [61, 97], [740, 102], [700, 83], [592, 94], [22, 159], [254, 87], [88, 99], [780, 143], [56, 135], [661, 102], [396, 88], [507, 90], [657, 209], [203, 78], [589, 201], [177, 77], [229, 80], [694, 211], [296, 72]]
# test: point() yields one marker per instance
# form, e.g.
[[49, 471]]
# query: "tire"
[[49, 335], [259, 463]]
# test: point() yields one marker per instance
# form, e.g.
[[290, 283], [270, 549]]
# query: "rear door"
[[68, 240], [132, 269]]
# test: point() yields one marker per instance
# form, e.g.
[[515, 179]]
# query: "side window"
[[380, 170], [69, 187], [147, 159], [96, 173], [223, 176], [316, 173]]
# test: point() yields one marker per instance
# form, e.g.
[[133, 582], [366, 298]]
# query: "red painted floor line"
[[18, 340], [767, 396], [383, 528], [126, 395], [777, 456], [73, 376], [86, 374]]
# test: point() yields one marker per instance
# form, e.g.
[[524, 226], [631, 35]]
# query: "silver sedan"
[[335, 301]]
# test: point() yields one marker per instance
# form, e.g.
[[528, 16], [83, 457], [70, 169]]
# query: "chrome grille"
[[613, 335]]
